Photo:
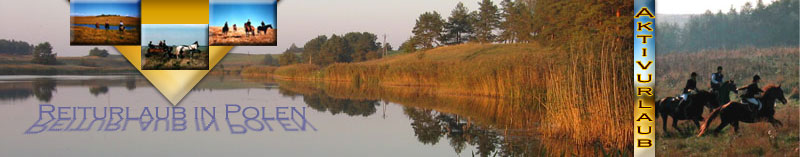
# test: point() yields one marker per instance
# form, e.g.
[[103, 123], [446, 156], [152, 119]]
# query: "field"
[[774, 65], [197, 61], [20, 65], [580, 93], [238, 37], [81, 35]]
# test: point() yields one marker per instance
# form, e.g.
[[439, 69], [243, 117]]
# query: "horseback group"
[[248, 28], [121, 26], [755, 105]]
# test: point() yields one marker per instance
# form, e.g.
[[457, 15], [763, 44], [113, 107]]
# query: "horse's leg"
[[722, 125], [775, 123], [697, 123], [675, 124], [664, 119], [735, 127]]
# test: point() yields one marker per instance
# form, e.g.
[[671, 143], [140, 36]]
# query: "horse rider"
[[751, 91], [121, 25], [716, 79], [107, 25], [691, 87], [150, 45]]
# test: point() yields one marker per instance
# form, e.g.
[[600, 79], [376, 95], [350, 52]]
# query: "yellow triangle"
[[173, 84]]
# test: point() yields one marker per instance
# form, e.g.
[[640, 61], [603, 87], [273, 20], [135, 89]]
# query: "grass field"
[[238, 37], [195, 61], [774, 65]]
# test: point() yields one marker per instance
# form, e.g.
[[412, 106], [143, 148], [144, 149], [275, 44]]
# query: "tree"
[[361, 44], [335, 50], [269, 60], [408, 46], [517, 24], [287, 58], [487, 20], [98, 52], [15, 47], [311, 50], [459, 25], [428, 29], [43, 54]]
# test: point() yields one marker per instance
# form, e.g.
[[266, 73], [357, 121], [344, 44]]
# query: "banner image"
[[420, 78]]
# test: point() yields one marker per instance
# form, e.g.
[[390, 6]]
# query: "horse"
[[186, 48], [723, 92], [225, 28], [264, 28], [734, 112], [668, 107], [248, 28]]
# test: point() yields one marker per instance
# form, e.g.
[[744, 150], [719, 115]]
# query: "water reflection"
[[466, 125]]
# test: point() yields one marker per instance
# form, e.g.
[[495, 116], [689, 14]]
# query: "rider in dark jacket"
[[716, 79], [751, 91], [691, 85]]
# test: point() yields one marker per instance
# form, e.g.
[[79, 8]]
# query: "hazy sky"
[[700, 6], [300, 20], [175, 34]]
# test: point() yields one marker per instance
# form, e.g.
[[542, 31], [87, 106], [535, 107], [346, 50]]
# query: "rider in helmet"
[[691, 86], [716, 79], [750, 93]]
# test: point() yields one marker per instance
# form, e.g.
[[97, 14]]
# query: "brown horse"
[[735, 112], [248, 28], [668, 107]]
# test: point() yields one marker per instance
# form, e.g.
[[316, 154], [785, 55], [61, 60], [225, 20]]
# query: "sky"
[[175, 34], [78, 8], [239, 13], [700, 6], [301, 20]]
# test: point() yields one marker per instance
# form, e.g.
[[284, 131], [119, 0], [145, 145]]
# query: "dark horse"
[[263, 28], [248, 28], [724, 91], [668, 107], [225, 28], [735, 112]]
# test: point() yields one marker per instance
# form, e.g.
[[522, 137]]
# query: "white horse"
[[186, 48]]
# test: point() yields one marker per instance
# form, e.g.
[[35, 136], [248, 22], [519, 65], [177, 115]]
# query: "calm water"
[[111, 26], [342, 121]]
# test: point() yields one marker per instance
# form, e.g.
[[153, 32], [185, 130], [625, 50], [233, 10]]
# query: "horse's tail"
[[707, 122]]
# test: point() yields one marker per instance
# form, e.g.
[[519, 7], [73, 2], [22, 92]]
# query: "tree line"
[[324, 50], [751, 26], [513, 20], [13, 47]]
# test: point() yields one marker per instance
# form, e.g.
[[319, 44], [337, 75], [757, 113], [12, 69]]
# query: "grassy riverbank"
[[580, 92]]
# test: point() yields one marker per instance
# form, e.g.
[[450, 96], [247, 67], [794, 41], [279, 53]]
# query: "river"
[[338, 120]]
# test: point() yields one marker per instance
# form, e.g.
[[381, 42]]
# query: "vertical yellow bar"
[[644, 78]]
